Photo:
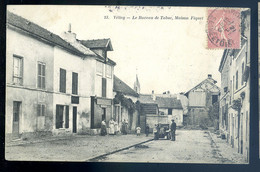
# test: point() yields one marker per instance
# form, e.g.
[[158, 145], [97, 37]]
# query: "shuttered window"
[[67, 117], [41, 75], [41, 110], [104, 87], [17, 70], [62, 80], [108, 71], [236, 80], [74, 83], [99, 68], [243, 67]]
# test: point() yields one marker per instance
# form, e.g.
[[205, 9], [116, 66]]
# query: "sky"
[[166, 53]]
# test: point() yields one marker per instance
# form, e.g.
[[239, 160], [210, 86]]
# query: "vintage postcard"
[[127, 84]]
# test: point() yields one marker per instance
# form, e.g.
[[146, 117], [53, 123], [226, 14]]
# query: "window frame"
[[42, 109], [170, 110], [62, 89], [242, 73], [104, 88], [20, 78], [74, 88], [108, 73], [102, 67], [41, 76], [236, 79]]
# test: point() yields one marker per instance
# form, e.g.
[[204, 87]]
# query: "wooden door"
[[59, 116], [16, 119], [74, 119]]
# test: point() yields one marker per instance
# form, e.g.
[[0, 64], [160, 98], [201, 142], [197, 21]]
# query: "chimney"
[[209, 76], [69, 30], [69, 36], [153, 95]]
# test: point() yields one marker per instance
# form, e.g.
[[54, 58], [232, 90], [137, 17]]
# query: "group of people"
[[113, 127], [138, 130]]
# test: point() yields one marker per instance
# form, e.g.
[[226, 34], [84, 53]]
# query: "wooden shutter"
[[74, 83], [62, 80], [39, 75], [67, 117], [43, 76], [104, 87], [38, 110]]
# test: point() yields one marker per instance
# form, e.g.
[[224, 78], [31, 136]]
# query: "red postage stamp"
[[223, 28]]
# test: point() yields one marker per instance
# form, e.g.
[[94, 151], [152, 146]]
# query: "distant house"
[[163, 108], [124, 104], [200, 98]]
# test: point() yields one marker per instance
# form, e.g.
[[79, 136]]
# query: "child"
[[138, 131]]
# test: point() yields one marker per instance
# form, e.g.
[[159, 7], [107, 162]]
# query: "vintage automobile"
[[162, 131]]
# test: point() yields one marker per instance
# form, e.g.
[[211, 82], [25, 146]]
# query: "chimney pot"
[[209, 76], [69, 28]]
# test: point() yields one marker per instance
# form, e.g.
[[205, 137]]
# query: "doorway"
[[16, 118], [103, 114], [74, 119]]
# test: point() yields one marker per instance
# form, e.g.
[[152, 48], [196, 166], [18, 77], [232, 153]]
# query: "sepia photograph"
[[149, 84]]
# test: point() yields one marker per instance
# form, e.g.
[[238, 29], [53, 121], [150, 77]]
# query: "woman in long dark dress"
[[103, 128]]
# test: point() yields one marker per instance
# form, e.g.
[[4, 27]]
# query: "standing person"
[[147, 128], [123, 127], [126, 126], [111, 127], [116, 127], [103, 128], [138, 131], [173, 129]]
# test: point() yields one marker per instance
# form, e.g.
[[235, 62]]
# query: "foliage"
[[237, 104], [125, 102]]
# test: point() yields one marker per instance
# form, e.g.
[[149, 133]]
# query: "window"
[[233, 85], [74, 83], [236, 80], [108, 71], [214, 98], [18, 70], [62, 80], [230, 91], [62, 116], [41, 110], [99, 68], [104, 87], [41, 75], [170, 111], [243, 66]]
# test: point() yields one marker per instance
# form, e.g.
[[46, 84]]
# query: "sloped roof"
[[98, 43], [163, 102], [120, 86], [208, 80], [39, 31], [233, 52]]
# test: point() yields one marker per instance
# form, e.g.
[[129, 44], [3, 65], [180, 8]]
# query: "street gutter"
[[96, 158]]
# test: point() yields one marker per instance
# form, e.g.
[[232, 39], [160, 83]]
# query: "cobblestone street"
[[191, 146], [74, 148]]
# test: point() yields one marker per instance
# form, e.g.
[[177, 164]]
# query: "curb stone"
[[94, 159]]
